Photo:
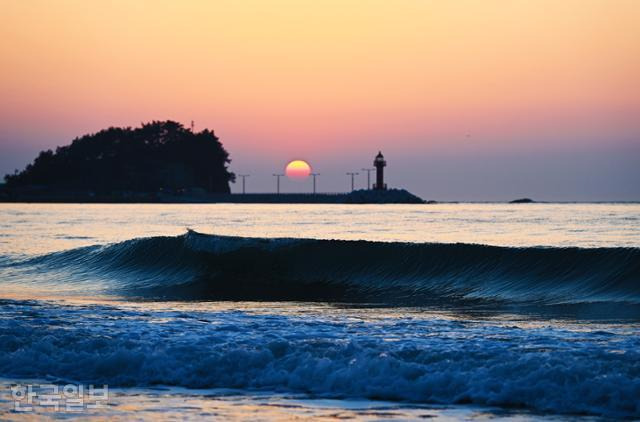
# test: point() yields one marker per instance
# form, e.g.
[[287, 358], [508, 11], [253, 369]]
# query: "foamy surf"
[[326, 353]]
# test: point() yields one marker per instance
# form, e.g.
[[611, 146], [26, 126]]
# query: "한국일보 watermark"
[[58, 398]]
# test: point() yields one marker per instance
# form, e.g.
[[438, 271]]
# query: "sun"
[[298, 169]]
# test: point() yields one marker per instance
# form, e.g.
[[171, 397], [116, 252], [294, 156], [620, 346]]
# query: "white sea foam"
[[591, 370]]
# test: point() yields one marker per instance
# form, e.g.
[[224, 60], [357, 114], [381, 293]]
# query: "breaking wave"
[[211, 267]]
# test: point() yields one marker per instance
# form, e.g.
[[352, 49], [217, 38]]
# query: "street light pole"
[[353, 175], [244, 177], [314, 181], [278, 176], [368, 177]]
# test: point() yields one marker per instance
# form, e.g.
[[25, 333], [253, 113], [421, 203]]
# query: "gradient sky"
[[467, 99]]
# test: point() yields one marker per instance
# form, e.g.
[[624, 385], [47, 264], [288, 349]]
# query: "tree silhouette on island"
[[161, 155]]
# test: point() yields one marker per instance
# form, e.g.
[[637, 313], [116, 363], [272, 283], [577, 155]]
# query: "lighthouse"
[[379, 164]]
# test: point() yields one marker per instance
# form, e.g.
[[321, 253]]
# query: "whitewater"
[[254, 311]]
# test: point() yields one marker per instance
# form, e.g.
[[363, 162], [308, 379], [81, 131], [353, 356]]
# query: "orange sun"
[[298, 169]]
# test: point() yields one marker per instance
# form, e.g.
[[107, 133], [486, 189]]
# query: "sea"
[[311, 311]]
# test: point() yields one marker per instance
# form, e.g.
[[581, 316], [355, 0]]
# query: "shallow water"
[[539, 319]]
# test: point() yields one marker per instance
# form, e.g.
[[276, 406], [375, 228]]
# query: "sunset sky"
[[467, 99]]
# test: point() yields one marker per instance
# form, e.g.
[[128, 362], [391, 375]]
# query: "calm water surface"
[[40, 228]]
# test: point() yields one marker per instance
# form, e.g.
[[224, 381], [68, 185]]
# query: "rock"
[[389, 196]]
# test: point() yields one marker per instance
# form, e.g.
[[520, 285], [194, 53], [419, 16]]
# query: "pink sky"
[[333, 82]]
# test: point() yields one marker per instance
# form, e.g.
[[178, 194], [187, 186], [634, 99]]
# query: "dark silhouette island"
[[161, 161], [127, 163]]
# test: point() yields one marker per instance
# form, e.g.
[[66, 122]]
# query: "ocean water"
[[270, 312]]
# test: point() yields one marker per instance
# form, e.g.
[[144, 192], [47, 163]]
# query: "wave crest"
[[211, 267]]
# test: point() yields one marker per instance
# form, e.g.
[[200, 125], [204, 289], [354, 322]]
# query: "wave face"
[[208, 267]]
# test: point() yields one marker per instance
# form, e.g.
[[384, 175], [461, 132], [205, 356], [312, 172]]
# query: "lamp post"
[[244, 177], [314, 181], [353, 176], [278, 176], [368, 177]]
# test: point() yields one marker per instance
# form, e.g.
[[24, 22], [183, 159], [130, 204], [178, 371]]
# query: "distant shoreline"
[[362, 196], [391, 196], [286, 200]]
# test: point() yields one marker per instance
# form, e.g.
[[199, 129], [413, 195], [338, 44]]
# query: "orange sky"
[[311, 79]]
